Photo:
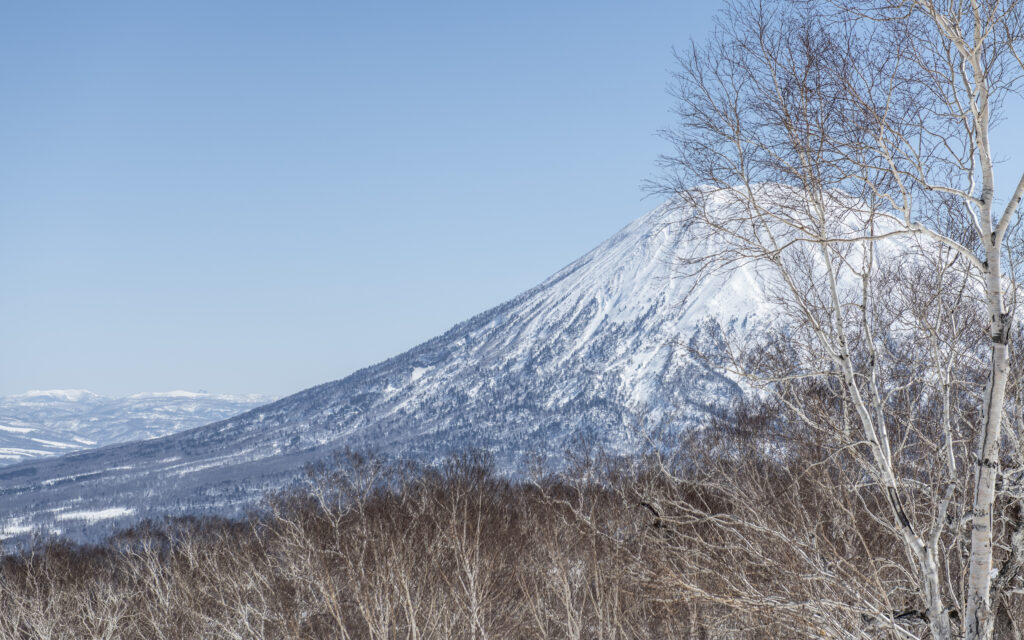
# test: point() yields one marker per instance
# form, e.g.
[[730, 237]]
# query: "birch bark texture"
[[844, 144]]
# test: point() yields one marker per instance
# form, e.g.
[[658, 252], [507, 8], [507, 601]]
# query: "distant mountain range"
[[599, 352], [45, 423]]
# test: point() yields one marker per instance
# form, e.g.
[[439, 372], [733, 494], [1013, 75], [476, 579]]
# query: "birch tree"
[[839, 145]]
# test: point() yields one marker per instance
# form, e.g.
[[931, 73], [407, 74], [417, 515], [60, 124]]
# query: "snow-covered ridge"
[[53, 422], [64, 395]]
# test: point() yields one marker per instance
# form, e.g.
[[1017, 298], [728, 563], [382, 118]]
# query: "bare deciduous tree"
[[845, 148]]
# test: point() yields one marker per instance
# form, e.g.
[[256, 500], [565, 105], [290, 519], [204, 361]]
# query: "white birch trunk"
[[980, 617], [877, 437]]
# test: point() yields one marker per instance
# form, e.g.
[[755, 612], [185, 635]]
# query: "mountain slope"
[[45, 423], [599, 351]]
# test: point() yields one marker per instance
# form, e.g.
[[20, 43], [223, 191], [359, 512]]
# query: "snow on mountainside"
[[46, 423], [600, 350]]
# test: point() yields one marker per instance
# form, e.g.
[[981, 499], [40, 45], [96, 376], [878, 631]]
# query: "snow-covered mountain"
[[45, 423], [599, 352]]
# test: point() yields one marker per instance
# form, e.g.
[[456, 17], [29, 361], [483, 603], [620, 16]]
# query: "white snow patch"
[[13, 528], [15, 453], [169, 394], [79, 476], [96, 515], [59, 445], [417, 373], [4, 427]]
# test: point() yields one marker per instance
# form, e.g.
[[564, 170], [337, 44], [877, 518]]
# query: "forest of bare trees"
[[848, 151], [738, 538]]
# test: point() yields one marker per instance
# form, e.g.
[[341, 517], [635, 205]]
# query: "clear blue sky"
[[247, 196], [262, 196]]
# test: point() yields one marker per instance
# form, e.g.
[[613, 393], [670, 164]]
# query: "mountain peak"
[[600, 351]]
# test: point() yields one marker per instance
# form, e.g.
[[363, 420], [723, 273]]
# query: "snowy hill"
[[45, 423], [600, 350]]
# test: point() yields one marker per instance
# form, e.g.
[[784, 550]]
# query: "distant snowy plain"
[[37, 424]]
